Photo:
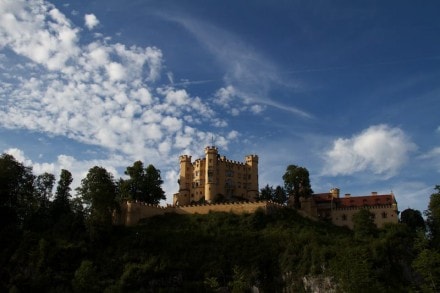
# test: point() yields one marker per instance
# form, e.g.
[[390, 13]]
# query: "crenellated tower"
[[211, 173], [214, 178], [251, 162], [185, 181]]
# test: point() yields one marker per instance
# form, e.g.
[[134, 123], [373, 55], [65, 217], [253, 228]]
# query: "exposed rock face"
[[319, 284]]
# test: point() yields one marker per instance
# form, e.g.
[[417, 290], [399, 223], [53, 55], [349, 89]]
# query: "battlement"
[[134, 211], [185, 158]]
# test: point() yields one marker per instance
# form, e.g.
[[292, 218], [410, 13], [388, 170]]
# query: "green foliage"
[[17, 200], [143, 184], [363, 225], [297, 183], [86, 278], [43, 186], [98, 192], [413, 219], [427, 264], [276, 195], [217, 252], [433, 217]]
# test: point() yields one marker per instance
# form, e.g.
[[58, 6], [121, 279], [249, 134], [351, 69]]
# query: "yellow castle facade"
[[340, 210], [214, 178]]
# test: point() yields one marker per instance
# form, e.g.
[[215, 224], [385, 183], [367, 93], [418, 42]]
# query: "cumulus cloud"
[[90, 21], [98, 93], [380, 149]]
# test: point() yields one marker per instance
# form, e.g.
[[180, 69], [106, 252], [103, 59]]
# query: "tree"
[[266, 193], [61, 203], [413, 219], [98, 192], [144, 184], [427, 264], [43, 186], [276, 195], [279, 195], [86, 278], [363, 224], [433, 217], [297, 184], [17, 200]]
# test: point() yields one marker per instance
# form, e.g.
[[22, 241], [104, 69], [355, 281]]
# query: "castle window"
[[384, 215], [344, 217]]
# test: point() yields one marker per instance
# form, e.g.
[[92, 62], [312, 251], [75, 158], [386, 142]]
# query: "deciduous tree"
[[363, 225], [433, 217], [17, 200], [413, 219], [98, 192], [143, 184], [297, 184]]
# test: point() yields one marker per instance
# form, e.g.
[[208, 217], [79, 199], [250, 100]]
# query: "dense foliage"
[[66, 244]]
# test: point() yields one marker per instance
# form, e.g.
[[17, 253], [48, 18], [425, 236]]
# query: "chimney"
[[347, 195], [374, 193]]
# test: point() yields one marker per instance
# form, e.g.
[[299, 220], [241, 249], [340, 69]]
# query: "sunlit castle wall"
[[214, 178]]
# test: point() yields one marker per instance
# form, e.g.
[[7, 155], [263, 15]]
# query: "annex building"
[[215, 178], [340, 210]]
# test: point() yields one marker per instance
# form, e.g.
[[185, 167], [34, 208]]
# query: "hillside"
[[218, 252]]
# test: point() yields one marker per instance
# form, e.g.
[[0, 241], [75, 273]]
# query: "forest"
[[55, 239]]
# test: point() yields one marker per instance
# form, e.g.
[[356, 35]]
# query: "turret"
[[211, 156], [334, 192], [252, 176], [185, 179]]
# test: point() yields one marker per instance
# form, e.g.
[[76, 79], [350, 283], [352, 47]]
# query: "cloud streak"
[[250, 75]]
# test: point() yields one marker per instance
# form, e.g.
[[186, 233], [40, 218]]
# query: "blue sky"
[[347, 89]]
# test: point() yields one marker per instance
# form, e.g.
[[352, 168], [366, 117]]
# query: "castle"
[[216, 184], [340, 210], [216, 179]]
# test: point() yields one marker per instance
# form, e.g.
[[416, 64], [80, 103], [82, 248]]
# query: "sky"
[[348, 89]]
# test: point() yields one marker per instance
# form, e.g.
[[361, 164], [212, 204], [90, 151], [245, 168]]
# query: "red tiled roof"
[[356, 201], [369, 200]]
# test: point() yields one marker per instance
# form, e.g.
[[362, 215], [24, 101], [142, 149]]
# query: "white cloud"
[[379, 149], [98, 93], [90, 21], [249, 77]]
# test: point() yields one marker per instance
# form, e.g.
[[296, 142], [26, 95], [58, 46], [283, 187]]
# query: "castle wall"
[[235, 208], [382, 215], [132, 212]]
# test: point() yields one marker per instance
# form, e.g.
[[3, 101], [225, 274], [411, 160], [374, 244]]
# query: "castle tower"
[[185, 181], [335, 192], [211, 156], [252, 176]]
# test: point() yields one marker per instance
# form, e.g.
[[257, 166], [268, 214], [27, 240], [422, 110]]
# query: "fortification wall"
[[233, 207], [132, 212]]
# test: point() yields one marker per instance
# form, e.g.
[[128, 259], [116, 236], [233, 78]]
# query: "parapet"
[[185, 158], [251, 158]]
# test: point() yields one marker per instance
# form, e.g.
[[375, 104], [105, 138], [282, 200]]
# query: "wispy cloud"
[[252, 76]]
